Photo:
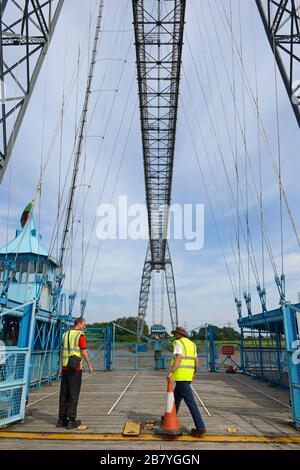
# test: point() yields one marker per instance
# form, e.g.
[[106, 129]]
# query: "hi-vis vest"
[[186, 369], [71, 346]]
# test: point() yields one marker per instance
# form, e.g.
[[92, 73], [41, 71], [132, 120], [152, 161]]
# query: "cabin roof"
[[27, 241]]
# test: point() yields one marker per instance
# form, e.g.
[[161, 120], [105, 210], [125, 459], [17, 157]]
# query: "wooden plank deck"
[[230, 399]]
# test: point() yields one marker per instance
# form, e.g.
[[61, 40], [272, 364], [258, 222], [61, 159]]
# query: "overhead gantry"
[[26, 29], [281, 20], [159, 27]]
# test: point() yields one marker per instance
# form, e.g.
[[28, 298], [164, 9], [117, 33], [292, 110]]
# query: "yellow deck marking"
[[149, 437], [132, 429], [82, 428]]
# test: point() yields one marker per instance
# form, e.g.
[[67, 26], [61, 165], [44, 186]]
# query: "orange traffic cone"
[[170, 422]]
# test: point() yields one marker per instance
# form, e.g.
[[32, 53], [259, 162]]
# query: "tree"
[[221, 334], [130, 323]]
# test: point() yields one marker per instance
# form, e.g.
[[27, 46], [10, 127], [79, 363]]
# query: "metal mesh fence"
[[267, 364], [129, 355], [264, 356], [143, 355], [45, 366], [96, 343], [203, 355], [12, 381], [12, 365], [10, 403]]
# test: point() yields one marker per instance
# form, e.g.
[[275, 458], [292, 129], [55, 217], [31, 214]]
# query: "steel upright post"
[[108, 348], [292, 339], [212, 358]]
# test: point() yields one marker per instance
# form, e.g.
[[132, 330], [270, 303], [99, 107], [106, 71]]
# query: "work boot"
[[73, 423], [62, 423], [198, 432]]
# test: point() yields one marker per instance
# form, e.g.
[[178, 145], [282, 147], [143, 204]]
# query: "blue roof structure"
[[27, 241], [271, 321]]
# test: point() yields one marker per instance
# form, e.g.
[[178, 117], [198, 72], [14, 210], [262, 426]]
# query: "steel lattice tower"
[[26, 29], [281, 20], [158, 41]]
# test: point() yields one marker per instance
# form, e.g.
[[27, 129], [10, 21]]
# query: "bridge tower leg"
[[171, 291], [145, 289], [144, 292]]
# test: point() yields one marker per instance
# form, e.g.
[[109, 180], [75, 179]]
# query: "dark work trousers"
[[183, 391], [69, 393]]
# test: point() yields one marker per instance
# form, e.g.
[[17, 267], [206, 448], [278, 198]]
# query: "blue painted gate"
[[99, 347]]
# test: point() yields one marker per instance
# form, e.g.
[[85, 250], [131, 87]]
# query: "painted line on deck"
[[261, 393], [150, 437], [122, 394], [54, 393], [40, 399], [201, 402]]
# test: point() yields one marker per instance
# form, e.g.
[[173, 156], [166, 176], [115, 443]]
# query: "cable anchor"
[[262, 296], [238, 304], [247, 298]]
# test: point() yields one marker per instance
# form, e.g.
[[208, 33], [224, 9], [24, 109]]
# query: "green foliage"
[[198, 335], [98, 325], [130, 323], [221, 334]]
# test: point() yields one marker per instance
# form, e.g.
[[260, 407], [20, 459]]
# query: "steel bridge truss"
[[26, 29], [281, 20], [145, 289], [158, 40]]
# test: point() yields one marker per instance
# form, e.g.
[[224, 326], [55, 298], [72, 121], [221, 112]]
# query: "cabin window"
[[16, 273], [24, 270], [36, 267], [40, 267], [32, 266]]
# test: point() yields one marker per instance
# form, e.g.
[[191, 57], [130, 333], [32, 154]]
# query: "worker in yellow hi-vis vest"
[[74, 350], [183, 369]]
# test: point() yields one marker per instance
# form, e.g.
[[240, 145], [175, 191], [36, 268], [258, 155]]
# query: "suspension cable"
[[266, 140], [89, 185], [264, 231], [261, 202], [234, 290], [253, 261]]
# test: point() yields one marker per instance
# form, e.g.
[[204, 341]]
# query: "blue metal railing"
[[44, 366], [265, 358]]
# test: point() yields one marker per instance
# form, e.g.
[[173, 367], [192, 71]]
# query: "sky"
[[223, 71]]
